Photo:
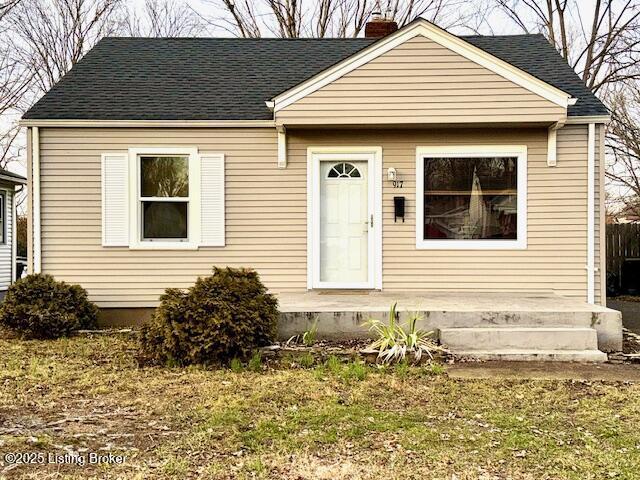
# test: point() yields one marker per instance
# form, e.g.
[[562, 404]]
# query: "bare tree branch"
[[50, 36], [163, 18], [324, 18]]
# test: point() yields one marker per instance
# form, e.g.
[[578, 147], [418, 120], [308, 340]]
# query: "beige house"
[[416, 162]]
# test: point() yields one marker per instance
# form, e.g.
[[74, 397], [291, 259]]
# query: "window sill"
[[471, 245], [164, 246]]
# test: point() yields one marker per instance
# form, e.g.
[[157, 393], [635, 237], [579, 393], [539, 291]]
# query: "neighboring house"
[[154, 159], [10, 184]]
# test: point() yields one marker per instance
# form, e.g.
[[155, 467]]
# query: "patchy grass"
[[329, 421]]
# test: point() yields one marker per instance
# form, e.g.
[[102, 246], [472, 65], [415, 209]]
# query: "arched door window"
[[343, 170]]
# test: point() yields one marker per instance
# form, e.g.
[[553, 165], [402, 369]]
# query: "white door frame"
[[373, 156]]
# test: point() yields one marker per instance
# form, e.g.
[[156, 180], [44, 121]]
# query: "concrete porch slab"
[[341, 314]]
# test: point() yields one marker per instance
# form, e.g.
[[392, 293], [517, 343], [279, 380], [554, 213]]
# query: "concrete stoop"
[[526, 343], [485, 325]]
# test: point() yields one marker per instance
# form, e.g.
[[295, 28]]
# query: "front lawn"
[[333, 421]]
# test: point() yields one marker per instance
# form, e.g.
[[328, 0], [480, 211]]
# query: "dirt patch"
[[604, 372]]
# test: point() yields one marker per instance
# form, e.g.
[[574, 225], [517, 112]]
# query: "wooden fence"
[[623, 242]]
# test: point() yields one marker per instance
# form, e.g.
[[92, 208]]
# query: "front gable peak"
[[414, 32]]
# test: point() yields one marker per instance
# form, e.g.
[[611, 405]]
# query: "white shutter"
[[115, 199], [212, 199]]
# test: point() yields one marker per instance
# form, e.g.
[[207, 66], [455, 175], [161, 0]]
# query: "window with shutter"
[[163, 198]]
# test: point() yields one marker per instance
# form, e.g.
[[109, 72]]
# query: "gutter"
[[148, 123], [9, 178], [14, 232]]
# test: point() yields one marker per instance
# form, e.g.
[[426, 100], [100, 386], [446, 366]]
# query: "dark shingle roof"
[[230, 79]]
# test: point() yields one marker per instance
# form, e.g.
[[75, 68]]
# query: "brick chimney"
[[379, 26]]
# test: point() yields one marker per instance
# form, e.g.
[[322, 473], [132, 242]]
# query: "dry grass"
[[333, 421]]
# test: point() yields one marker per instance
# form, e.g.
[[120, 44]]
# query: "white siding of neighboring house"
[[5, 247]]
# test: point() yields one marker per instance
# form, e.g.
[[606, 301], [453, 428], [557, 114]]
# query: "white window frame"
[[473, 151], [193, 210]]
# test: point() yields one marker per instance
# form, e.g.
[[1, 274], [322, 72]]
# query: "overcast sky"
[[499, 23]]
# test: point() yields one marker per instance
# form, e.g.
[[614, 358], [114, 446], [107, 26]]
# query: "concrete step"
[[454, 319], [527, 338], [525, 355]]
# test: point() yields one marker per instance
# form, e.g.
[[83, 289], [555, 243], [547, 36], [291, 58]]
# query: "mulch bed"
[[348, 350]]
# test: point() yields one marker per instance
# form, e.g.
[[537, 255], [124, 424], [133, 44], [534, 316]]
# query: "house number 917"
[[398, 183]]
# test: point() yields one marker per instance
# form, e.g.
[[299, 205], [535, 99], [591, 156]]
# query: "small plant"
[[356, 371], [308, 338], [394, 342], [38, 306], [434, 369], [255, 363], [236, 365], [334, 365], [306, 360]]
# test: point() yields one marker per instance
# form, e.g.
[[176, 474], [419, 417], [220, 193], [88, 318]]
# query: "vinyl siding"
[[420, 82], [266, 213], [5, 248], [555, 258], [265, 210]]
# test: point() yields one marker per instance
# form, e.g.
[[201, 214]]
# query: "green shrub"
[[221, 317], [38, 306]]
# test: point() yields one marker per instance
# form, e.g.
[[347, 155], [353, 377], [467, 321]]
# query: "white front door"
[[344, 223]]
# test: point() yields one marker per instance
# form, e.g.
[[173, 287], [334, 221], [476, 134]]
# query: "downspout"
[[14, 233], [591, 164], [35, 161]]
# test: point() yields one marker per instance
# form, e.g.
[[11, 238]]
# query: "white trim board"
[[374, 157], [426, 29], [35, 199], [472, 151], [591, 237]]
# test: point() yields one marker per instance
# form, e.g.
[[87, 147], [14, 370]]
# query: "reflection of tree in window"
[[165, 176], [470, 198]]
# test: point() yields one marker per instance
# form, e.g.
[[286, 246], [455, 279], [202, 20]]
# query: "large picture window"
[[470, 199]]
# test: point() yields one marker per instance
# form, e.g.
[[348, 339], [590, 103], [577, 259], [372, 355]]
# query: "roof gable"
[[423, 28], [420, 82]]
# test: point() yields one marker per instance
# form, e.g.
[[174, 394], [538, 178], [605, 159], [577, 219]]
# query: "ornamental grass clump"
[[394, 342], [224, 316], [40, 307]]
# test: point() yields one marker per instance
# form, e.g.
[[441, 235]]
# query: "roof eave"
[[35, 122]]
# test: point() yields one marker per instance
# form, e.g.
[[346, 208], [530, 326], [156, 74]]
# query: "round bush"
[[38, 306], [221, 317]]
